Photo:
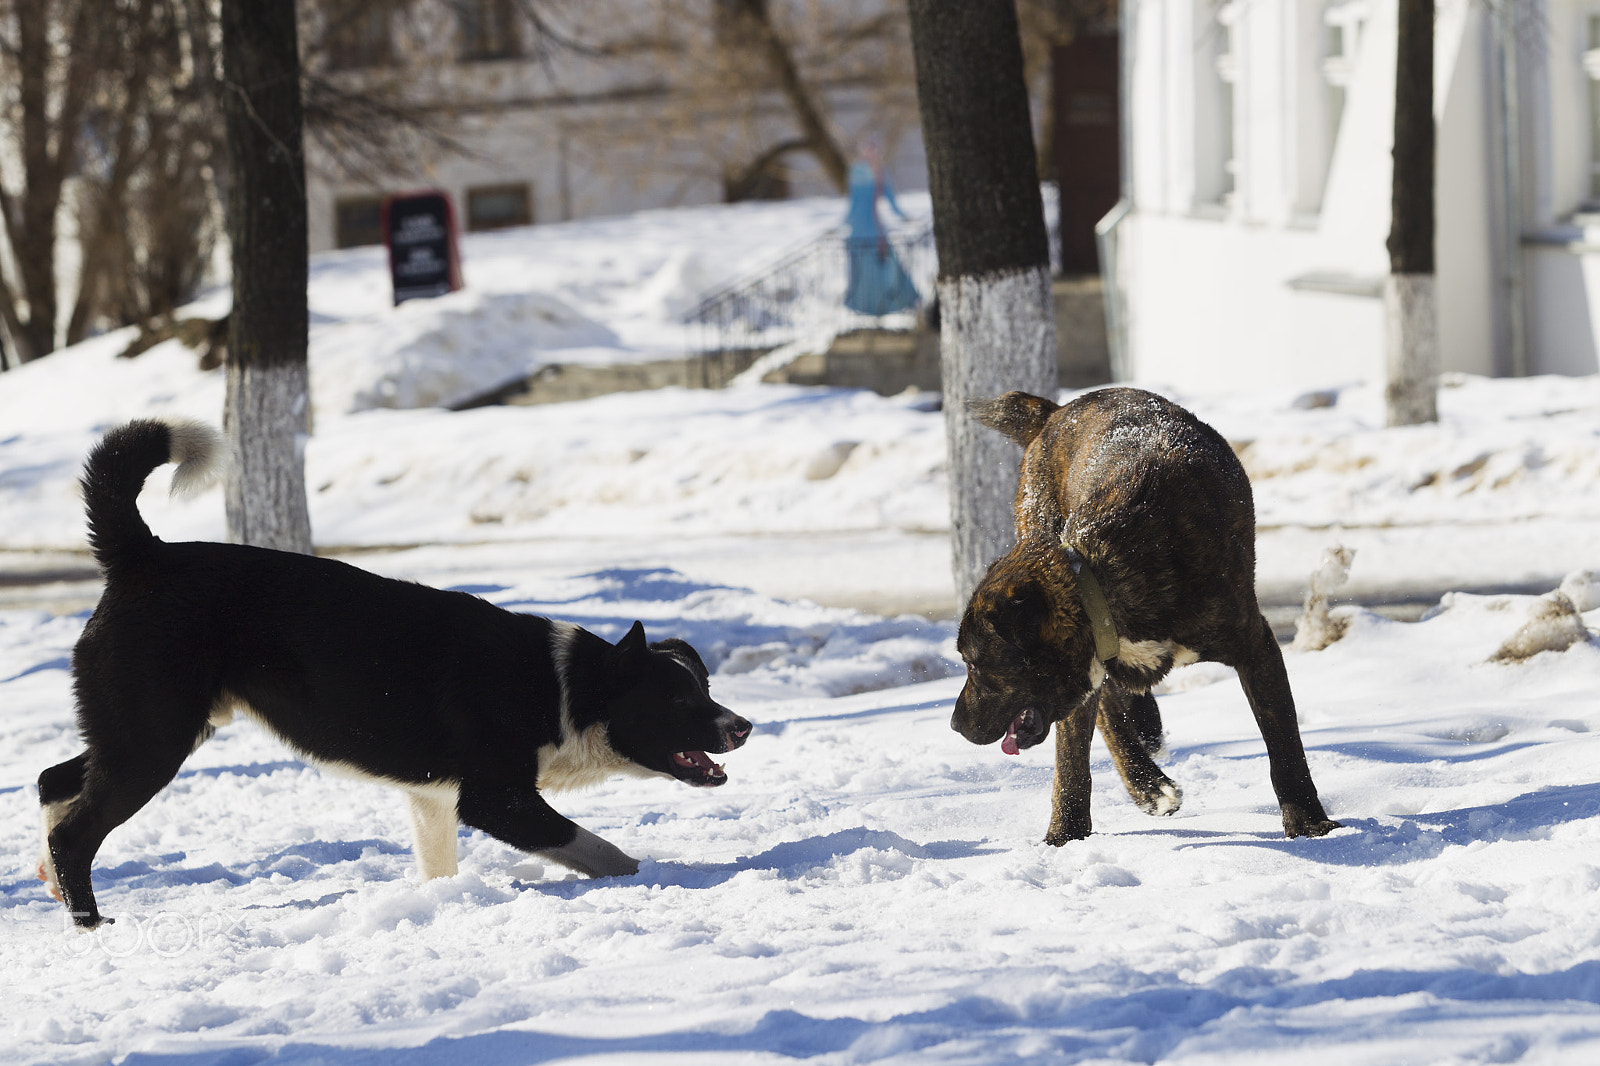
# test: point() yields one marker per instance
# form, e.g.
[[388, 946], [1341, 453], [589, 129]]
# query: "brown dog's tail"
[[1019, 415]]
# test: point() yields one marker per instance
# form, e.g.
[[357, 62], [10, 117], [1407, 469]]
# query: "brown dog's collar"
[[1093, 597]]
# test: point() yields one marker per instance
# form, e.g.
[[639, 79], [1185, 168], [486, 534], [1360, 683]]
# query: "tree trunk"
[[267, 409], [807, 114], [47, 142], [111, 209], [997, 334], [996, 316], [1412, 386]]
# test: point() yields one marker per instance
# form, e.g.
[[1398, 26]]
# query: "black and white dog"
[[472, 710]]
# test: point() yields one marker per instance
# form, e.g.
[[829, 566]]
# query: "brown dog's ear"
[[1057, 629], [1030, 615], [1019, 415], [1022, 617]]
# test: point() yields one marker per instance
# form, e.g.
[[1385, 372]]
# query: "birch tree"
[[267, 408], [997, 326], [1409, 294]]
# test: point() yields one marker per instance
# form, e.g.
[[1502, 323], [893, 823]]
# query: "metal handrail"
[[1108, 234], [802, 294]]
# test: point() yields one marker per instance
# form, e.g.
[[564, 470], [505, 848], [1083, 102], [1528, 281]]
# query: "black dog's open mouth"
[[696, 768], [1026, 730]]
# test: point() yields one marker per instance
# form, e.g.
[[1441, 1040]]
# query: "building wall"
[[593, 137], [556, 154], [1469, 260], [1213, 309], [1563, 290], [1562, 246], [1269, 271]]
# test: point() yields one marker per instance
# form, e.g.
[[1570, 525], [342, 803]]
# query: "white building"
[[1259, 168]]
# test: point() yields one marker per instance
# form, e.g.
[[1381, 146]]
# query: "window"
[[734, 22], [771, 182], [357, 221], [1216, 81], [1343, 35], [498, 206], [1334, 35], [488, 29], [1591, 67], [1228, 72], [357, 34]]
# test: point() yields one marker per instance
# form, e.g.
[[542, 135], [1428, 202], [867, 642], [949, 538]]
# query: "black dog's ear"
[[1019, 415], [632, 642], [631, 652], [684, 651]]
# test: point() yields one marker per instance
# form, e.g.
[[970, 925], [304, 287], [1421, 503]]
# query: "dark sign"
[[420, 231]]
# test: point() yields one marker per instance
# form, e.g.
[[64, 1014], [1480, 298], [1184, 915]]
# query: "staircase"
[[800, 297]]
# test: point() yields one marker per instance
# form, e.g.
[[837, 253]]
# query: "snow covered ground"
[[868, 887]]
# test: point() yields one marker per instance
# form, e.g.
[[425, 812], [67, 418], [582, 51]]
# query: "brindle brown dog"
[[1135, 553]]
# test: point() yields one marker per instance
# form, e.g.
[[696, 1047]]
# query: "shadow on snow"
[[791, 859], [54, 664], [1530, 816], [1141, 1024]]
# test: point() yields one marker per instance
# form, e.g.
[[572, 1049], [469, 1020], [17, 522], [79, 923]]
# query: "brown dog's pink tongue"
[[1009, 744]]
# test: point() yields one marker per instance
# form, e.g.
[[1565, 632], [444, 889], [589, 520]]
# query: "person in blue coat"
[[879, 284]]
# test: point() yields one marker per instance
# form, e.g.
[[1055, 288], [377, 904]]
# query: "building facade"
[[1258, 138], [650, 109]]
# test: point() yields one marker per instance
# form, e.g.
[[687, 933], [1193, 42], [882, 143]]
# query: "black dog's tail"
[[1019, 415], [117, 469]]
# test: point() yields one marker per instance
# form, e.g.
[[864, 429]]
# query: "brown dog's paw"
[[1059, 835], [1163, 799], [1311, 827]]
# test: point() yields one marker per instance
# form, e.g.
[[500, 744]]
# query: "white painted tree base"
[[1411, 312], [997, 333], [264, 417]]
